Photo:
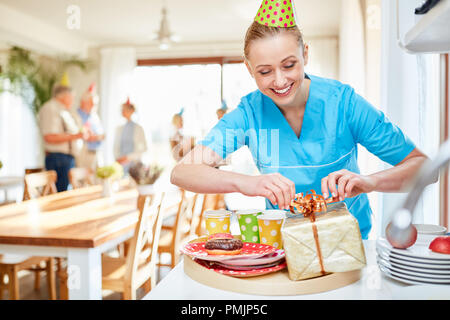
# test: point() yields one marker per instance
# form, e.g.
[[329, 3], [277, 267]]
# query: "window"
[[159, 92]]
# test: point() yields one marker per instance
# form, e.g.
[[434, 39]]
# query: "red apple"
[[440, 245], [393, 239]]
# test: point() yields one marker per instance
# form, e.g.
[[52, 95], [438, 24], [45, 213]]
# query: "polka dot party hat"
[[276, 13]]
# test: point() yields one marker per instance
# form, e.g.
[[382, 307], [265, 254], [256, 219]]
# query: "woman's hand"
[[349, 184], [278, 189]]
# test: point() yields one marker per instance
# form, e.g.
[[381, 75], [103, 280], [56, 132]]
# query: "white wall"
[[410, 99]]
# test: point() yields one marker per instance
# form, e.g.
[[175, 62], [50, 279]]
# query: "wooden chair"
[[11, 265], [80, 177], [197, 216], [39, 184], [138, 268], [173, 236]]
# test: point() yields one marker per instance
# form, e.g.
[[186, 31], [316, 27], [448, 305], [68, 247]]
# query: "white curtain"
[[351, 45], [116, 71], [20, 139]]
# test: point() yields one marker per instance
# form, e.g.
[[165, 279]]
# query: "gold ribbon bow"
[[308, 205]]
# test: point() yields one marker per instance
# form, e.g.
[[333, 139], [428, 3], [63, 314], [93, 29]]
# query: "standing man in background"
[[129, 142], [61, 133], [91, 123]]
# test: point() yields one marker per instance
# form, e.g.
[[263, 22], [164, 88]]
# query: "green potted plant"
[[109, 174]]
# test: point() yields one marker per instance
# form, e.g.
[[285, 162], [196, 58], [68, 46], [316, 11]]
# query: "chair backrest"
[[143, 249], [182, 225], [197, 215], [39, 184], [34, 170], [188, 217], [80, 177]]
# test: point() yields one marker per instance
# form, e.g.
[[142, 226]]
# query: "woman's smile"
[[284, 91]]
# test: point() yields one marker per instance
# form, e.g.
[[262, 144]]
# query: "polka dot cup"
[[217, 221], [248, 225], [269, 224]]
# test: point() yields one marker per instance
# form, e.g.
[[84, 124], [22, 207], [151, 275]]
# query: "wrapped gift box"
[[332, 243]]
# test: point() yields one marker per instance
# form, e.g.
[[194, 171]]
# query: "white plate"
[[247, 267], [422, 292], [430, 229], [420, 273], [411, 279], [268, 258], [418, 250], [443, 270], [430, 262]]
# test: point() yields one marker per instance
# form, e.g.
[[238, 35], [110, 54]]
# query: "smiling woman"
[[303, 130]]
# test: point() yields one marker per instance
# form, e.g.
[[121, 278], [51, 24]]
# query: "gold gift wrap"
[[338, 238]]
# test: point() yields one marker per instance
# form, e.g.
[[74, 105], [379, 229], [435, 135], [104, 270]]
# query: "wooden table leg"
[[13, 283], [51, 283], [2, 285]]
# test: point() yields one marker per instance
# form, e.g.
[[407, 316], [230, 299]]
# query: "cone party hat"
[[65, 80], [92, 88], [276, 13]]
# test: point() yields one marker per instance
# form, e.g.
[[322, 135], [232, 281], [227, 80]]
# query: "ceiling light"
[[164, 36]]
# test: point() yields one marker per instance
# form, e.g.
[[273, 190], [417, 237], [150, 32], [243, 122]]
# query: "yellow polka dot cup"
[[217, 221], [270, 223], [248, 225]]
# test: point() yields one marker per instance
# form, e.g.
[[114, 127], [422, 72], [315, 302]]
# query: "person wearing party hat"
[[303, 130], [91, 123], [129, 143], [61, 132], [180, 144]]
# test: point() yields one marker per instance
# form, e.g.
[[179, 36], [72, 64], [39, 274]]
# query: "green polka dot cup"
[[248, 224], [217, 221], [270, 223]]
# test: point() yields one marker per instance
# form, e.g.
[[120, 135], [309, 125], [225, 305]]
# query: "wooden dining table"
[[78, 225]]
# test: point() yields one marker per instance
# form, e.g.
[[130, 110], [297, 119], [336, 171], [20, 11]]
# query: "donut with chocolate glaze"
[[225, 244]]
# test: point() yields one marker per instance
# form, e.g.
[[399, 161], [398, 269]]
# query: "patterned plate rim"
[[247, 273], [205, 256]]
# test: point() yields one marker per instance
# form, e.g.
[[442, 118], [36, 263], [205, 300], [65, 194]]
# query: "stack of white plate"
[[415, 265]]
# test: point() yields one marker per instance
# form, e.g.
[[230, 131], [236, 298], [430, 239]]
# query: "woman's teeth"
[[283, 90]]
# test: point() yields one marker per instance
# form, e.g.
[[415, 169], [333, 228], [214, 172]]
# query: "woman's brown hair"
[[258, 31]]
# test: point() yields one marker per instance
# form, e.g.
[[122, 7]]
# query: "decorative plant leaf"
[[34, 81]]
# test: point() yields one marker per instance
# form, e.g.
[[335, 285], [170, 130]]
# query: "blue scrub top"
[[336, 119]]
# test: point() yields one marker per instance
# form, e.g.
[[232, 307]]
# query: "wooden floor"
[[27, 291]]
